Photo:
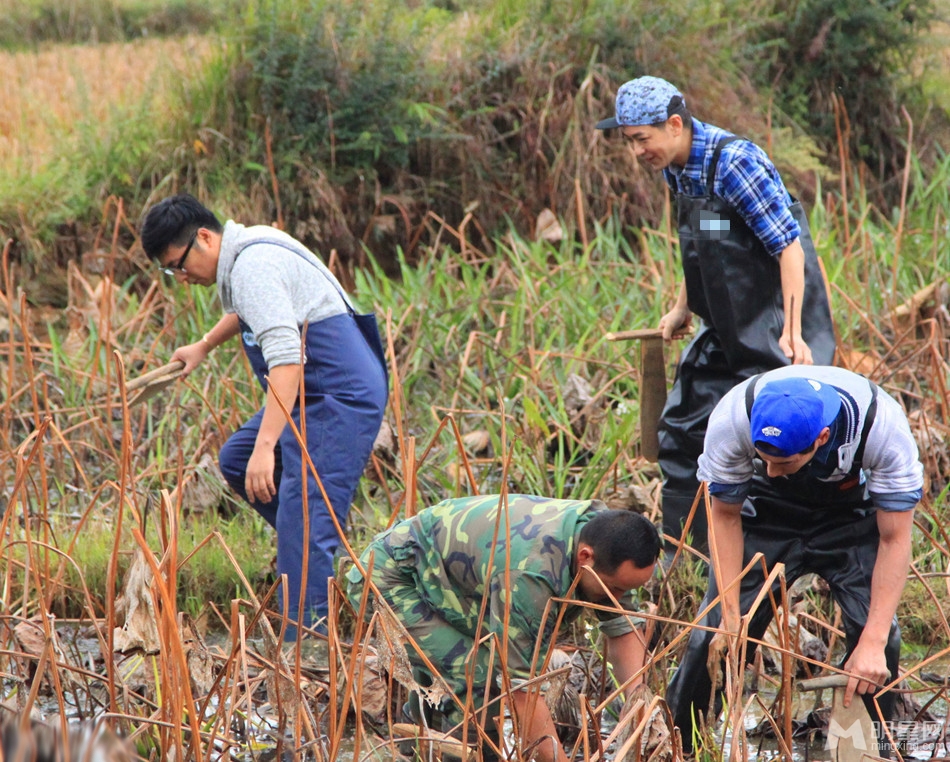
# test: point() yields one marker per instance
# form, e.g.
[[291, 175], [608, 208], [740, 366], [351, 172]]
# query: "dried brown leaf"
[[577, 392], [656, 741], [384, 224], [635, 497], [385, 443], [198, 657], [140, 630], [476, 442], [279, 680], [803, 641], [548, 228], [30, 637], [373, 692], [859, 362], [385, 451], [202, 489], [561, 696], [391, 644], [441, 745]]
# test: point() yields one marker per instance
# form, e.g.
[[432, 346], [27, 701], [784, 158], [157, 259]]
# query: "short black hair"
[[677, 106], [772, 451], [172, 221], [616, 536]]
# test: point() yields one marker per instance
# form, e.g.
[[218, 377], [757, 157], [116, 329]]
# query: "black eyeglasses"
[[179, 266]]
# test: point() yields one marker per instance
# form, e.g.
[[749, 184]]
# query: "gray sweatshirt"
[[275, 290], [891, 463]]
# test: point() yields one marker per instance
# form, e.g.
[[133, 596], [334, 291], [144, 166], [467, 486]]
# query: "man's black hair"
[[677, 106], [774, 452], [616, 536], [172, 221]]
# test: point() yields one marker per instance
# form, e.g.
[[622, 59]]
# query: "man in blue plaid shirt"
[[750, 273]]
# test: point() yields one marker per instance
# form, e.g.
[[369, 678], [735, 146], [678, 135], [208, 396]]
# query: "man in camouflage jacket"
[[499, 565]]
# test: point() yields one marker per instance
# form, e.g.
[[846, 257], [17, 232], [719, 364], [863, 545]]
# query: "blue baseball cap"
[[646, 100], [790, 413]]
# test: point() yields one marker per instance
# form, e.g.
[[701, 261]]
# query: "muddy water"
[[922, 739], [259, 732]]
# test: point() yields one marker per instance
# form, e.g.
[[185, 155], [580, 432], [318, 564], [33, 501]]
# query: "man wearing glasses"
[[179, 265], [294, 321]]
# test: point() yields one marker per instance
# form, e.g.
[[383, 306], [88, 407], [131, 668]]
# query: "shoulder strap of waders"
[[750, 394], [366, 324], [868, 422], [304, 257], [714, 164]]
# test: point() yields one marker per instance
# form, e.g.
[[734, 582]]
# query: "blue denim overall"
[[345, 394]]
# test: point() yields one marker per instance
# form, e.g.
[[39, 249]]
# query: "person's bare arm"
[[792, 269], [282, 381], [537, 726], [192, 354], [727, 546], [678, 319], [627, 655], [867, 663]]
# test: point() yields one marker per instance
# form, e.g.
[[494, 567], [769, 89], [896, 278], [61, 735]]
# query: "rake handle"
[[825, 681], [171, 369], [642, 333]]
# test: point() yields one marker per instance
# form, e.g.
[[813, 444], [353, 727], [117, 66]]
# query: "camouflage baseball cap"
[[646, 100]]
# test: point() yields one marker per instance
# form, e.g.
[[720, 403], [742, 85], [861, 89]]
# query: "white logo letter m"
[[837, 733]]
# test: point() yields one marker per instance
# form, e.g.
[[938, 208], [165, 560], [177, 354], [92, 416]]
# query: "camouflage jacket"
[[459, 550]]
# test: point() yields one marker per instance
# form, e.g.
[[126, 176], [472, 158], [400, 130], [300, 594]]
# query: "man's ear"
[[585, 555], [675, 125]]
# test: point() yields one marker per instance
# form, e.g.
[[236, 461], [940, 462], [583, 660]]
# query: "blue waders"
[[345, 393]]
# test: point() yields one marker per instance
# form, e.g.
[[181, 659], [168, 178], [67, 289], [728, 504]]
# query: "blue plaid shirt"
[[745, 178]]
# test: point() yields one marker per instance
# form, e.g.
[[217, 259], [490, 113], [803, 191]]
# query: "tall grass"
[[365, 129], [29, 23], [489, 109], [499, 345], [502, 377]]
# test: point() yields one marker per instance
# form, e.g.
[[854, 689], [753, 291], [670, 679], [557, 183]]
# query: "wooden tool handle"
[[652, 395], [644, 333], [640, 333], [825, 681], [172, 368]]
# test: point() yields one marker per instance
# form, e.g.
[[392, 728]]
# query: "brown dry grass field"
[[76, 476], [46, 93]]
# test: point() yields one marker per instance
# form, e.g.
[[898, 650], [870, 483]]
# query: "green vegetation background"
[[385, 107], [419, 141]]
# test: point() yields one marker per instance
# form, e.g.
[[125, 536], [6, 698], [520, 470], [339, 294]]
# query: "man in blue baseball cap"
[[816, 468], [749, 271]]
